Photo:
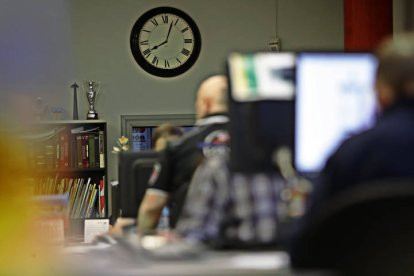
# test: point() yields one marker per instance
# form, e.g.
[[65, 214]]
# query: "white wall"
[[46, 45]]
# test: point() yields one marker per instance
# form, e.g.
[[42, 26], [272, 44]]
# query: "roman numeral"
[[188, 40], [154, 21], [144, 42], [176, 21], [165, 18], [166, 64], [185, 52], [184, 30], [178, 60], [147, 52], [155, 60], [145, 31]]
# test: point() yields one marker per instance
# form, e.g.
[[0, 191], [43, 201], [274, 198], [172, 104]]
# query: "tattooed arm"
[[150, 209]]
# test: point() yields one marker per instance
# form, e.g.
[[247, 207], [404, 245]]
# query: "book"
[[85, 201], [77, 130], [49, 149], [101, 149], [88, 200], [85, 150], [57, 152], [92, 202], [97, 152], [72, 193], [69, 187], [61, 186], [92, 150], [64, 150], [82, 196], [79, 151], [77, 196], [73, 161], [101, 198], [43, 148]]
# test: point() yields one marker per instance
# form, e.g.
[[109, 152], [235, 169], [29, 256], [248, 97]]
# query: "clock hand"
[[156, 46], [169, 31], [166, 40]]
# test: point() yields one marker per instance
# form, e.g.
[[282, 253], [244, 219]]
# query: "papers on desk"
[[94, 227], [265, 260]]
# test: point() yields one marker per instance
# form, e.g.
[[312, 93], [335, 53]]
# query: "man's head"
[[164, 133], [211, 96], [395, 74]]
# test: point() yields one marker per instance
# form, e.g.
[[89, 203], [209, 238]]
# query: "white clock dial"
[[166, 41]]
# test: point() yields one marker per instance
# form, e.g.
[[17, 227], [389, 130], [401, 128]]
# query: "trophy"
[[92, 89]]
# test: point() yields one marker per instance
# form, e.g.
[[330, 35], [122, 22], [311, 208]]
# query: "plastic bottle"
[[164, 222]]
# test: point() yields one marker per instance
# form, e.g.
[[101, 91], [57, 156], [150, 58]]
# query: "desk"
[[105, 259]]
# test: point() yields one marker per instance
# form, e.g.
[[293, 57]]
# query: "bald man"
[[172, 174]]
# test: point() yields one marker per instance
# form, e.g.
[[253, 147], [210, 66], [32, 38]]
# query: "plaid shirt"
[[226, 209]]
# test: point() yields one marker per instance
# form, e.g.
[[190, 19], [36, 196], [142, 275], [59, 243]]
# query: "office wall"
[[403, 11], [47, 45], [101, 32], [398, 10], [35, 56]]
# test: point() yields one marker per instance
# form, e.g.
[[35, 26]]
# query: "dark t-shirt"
[[180, 159], [385, 151]]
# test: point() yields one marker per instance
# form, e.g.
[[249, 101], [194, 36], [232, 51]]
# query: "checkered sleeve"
[[203, 210]]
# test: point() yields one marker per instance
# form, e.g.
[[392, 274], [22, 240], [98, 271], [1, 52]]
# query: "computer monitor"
[[135, 168], [335, 99], [261, 108]]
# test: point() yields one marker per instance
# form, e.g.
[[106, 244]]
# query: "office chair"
[[367, 230]]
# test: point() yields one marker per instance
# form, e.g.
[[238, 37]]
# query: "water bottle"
[[164, 222]]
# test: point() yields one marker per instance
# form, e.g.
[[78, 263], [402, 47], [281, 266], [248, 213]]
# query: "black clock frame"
[[143, 63]]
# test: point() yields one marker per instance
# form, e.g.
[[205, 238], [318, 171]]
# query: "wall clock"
[[165, 42]]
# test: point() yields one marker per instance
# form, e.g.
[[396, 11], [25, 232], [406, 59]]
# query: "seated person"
[[384, 151], [162, 135], [172, 175], [225, 210]]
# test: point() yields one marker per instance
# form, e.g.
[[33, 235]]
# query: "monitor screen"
[[141, 136], [135, 169], [335, 99], [261, 108]]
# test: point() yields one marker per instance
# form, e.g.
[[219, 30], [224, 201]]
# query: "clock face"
[[165, 42]]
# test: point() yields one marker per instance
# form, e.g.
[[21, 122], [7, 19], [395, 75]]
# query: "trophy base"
[[92, 116]]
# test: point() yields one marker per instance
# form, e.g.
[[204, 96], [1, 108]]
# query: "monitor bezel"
[[315, 174]]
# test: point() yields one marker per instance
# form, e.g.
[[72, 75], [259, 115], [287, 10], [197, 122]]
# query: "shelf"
[[71, 170], [70, 122], [60, 158]]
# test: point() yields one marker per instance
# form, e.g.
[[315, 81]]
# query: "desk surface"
[[105, 259]]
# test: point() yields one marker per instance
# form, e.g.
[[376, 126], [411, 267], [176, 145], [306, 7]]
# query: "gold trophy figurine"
[[91, 93]]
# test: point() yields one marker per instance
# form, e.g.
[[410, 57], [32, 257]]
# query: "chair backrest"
[[367, 230]]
